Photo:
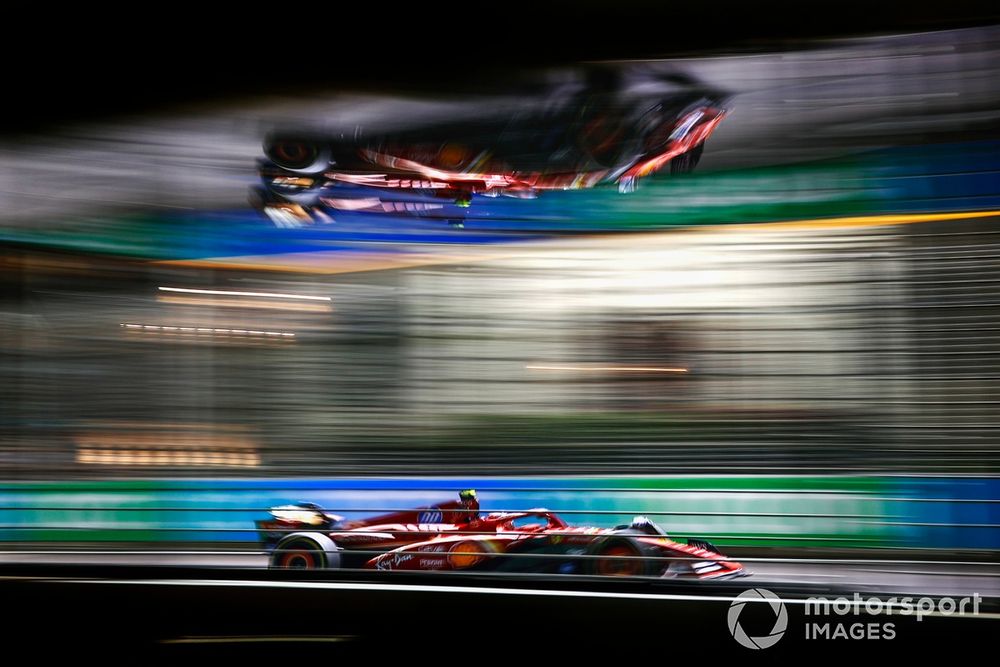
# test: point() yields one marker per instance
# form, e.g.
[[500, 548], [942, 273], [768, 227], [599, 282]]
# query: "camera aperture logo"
[[780, 620]]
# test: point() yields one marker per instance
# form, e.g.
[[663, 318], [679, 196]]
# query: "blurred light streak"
[[382, 181], [261, 552], [610, 369], [203, 331], [268, 295], [259, 639], [865, 221], [473, 590]]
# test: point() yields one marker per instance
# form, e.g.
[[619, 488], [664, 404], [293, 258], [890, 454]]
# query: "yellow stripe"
[[865, 220]]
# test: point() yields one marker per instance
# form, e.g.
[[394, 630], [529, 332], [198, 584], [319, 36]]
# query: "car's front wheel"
[[621, 558]]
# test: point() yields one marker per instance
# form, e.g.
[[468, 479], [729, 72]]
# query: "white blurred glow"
[[268, 295], [206, 331], [613, 369]]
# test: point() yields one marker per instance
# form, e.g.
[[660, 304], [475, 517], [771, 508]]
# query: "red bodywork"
[[406, 167], [551, 538], [440, 538]]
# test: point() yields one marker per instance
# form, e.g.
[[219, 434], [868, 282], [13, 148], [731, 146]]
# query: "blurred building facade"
[[736, 349]]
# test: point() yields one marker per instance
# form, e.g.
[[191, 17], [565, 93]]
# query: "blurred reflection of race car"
[[606, 130], [452, 536]]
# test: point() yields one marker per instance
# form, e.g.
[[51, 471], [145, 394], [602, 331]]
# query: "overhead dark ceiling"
[[149, 61]]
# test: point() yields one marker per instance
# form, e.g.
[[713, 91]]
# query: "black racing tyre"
[[297, 155], [305, 551], [622, 557]]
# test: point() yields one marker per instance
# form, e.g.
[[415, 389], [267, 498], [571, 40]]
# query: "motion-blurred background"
[[796, 346]]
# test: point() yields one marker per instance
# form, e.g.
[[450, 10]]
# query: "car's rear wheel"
[[297, 155], [299, 555], [305, 551]]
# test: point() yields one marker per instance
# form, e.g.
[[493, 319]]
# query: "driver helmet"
[[470, 502]]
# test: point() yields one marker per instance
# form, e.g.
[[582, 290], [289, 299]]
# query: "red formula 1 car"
[[452, 536], [612, 129]]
